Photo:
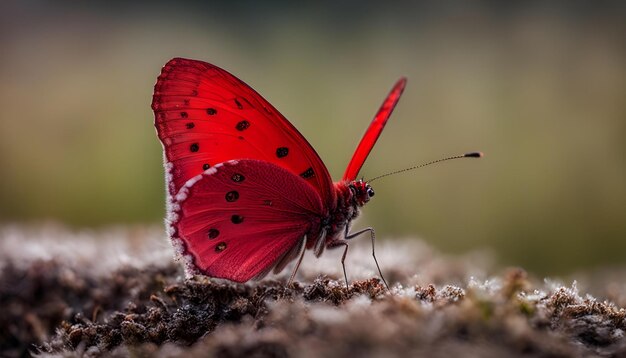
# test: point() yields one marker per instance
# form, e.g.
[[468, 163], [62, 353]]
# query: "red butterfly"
[[246, 192]]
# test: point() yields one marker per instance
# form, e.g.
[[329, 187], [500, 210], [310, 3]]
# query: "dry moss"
[[58, 307]]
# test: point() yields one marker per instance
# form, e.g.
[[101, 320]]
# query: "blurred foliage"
[[540, 88]]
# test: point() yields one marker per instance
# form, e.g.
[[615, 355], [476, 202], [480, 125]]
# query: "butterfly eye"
[[370, 191]]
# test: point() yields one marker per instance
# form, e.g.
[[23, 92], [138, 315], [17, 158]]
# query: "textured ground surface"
[[117, 293]]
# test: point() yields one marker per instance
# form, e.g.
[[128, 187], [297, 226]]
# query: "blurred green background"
[[540, 88]]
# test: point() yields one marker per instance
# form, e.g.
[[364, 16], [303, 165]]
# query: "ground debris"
[[55, 308]]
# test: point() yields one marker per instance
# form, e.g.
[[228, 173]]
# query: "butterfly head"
[[361, 191]]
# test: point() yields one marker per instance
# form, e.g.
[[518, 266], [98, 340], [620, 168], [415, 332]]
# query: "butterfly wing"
[[205, 116], [373, 131], [240, 219]]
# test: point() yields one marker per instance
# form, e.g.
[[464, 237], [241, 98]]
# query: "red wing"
[[373, 131], [241, 218], [205, 116]]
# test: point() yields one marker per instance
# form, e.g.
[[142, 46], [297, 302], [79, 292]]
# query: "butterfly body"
[[246, 193], [351, 196]]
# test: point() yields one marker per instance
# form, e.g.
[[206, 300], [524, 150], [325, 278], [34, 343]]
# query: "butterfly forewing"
[[373, 131], [242, 218], [205, 116]]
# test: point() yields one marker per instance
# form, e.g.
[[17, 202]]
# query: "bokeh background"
[[540, 87]]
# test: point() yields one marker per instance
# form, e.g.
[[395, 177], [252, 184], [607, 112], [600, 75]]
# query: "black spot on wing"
[[282, 152], [213, 233], [242, 125], [309, 173], [232, 196], [236, 219], [220, 247]]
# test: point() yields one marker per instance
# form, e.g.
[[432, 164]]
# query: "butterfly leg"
[[349, 236], [338, 243], [295, 269]]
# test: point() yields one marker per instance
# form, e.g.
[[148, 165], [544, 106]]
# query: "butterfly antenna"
[[466, 155]]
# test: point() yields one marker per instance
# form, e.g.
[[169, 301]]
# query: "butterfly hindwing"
[[240, 219], [205, 116]]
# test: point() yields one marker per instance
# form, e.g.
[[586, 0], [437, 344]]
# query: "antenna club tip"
[[474, 155]]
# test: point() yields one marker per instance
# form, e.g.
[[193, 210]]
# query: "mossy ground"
[[118, 293]]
